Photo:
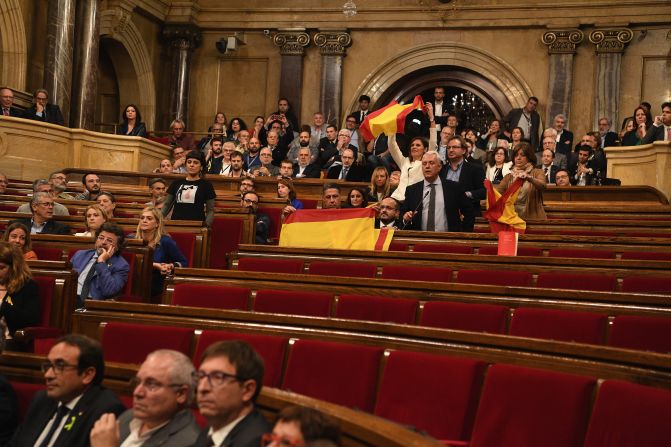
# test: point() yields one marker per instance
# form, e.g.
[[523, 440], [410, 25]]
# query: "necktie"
[[547, 174], [5, 111], [86, 286], [210, 442], [61, 412], [431, 217], [344, 173]]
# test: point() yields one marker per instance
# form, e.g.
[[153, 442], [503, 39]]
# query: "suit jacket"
[[560, 160], [247, 432], [398, 223], [138, 131], [9, 411], [15, 112], [358, 115], [326, 150], [456, 203], [311, 171], [565, 143], [109, 278], [181, 431], [52, 114], [355, 173], [472, 179], [24, 309], [655, 133], [593, 163], [95, 401], [51, 227], [440, 119], [511, 120], [553, 172], [611, 140]]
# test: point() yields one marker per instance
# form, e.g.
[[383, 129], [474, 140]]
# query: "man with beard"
[[92, 185], [250, 200], [388, 213], [237, 165], [304, 140], [327, 145], [157, 189], [251, 157], [59, 182], [215, 157], [305, 169]]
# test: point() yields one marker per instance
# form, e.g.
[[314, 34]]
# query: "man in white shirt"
[[388, 213], [661, 128]]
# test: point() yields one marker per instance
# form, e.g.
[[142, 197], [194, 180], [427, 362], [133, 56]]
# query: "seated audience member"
[[394, 180], [489, 141], [597, 158], [548, 167], [278, 142], [163, 390], [607, 138], [331, 157], [242, 141], [564, 137], [304, 140], [157, 189], [237, 165], [216, 133], [377, 152], [3, 183], [266, 168], [19, 297], [92, 187], [102, 271], [331, 196], [252, 157], [165, 167], [218, 159], [179, 160], [642, 123], [228, 382], [107, 202], [94, 217], [549, 142], [64, 413], [7, 103], [379, 185], [304, 168], [43, 185], [286, 169], [583, 172], [435, 203], [250, 200], [627, 126], [352, 126], [259, 121], [42, 110], [286, 191], [167, 255], [237, 125], [131, 123], [247, 185], [562, 178], [529, 203], [346, 170], [18, 235], [516, 137], [59, 181], [357, 198], [193, 197], [318, 128], [661, 128], [179, 138], [445, 134], [389, 210], [42, 206], [9, 406], [221, 120], [298, 426], [498, 165]]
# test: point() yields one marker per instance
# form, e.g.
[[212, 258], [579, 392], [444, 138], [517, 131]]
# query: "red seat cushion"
[[48, 253], [577, 281], [588, 233], [310, 204], [563, 325], [315, 304], [642, 333], [377, 308], [46, 286], [25, 392], [130, 259], [215, 297], [271, 265], [495, 277], [358, 270], [444, 248], [436, 394], [521, 251], [130, 343], [580, 253], [417, 273], [186, 242], [529, 407], [646, 256], [225, 237], [646, 284], [398, 246], [465, 316], [343, 374]]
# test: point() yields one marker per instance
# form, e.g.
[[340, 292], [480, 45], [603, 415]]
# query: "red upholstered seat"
[[581, 253], [521, 251], [314, 304], [529, 407], [563, 325], [651, 233], [577, 281], [630, 415], [642, 333], [538, 231], [271, 265], [588, 233], [444, 248], [433, 393], [275, 215], [48, 253], [398, 246], [271, 348], [215, 297], [377, 308], [24, 395], [310, 204], [646, 256], [646, 284], [354, 269], [44, 335], [225, 237], [186, 242], [130, 343], [130, 259], [465, 316], [417, 273], [495, 277], [343, 374]]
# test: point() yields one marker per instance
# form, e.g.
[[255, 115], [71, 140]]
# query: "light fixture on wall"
[[349, 8]]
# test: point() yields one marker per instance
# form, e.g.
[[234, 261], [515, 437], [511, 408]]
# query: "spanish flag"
[[388, 120], [342, 229], [501, 212]]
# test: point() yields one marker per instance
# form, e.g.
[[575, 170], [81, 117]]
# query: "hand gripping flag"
[[389, 119], [343, 229], [501, 212]]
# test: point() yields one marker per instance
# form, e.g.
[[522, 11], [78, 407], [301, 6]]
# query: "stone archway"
[[14, 48]]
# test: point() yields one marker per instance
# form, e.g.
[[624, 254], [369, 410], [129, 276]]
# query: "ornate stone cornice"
[[117, 16], [183, 36], [611, 40], [332, 43], [291, 42], [563, 41]]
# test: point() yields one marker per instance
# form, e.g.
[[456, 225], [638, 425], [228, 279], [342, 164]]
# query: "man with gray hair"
[[59, 181], [564, 136], [43, 185], [162, 394], [607, 138], [42, 222]]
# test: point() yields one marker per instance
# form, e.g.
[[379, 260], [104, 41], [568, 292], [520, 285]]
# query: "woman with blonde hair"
[[95, 217], [19, 297], [379, 185], [18, 235]]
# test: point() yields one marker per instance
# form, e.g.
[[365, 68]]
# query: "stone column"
[[562, 46], [183, 39], [332, 46], [610, 44], [292, 43], [59, 53], [86, 66]]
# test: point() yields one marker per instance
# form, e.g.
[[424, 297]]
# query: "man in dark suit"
[[389, 211], [347, 170], [471, 176], [327, 146], [42, 206], [548, 166], [436, 204], [7, 103], [661, 128], [526, 118], [43, 111], [63, 414], [364, 103], [228, 382], [582, 169], [564, 137], [305, 169], [608, 138]]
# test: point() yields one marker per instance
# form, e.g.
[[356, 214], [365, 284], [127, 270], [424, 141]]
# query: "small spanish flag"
[[389, 119], [342, 229], [501, 212]]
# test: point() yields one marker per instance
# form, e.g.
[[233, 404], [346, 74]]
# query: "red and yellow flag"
[[501, 212], [343, 229], [389, 119]]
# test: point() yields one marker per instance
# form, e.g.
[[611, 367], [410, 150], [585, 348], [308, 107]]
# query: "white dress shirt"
[[440, 217]]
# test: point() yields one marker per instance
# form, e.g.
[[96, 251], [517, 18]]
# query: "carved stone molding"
[[183, 37], [292, 43], [611, 40], [117, 16], [563, 41], [332, 43]]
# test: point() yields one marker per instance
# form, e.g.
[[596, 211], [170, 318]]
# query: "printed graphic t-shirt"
[[190, 197]]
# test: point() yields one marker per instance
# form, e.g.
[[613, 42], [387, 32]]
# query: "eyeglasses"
[[266, 155], [151, 385], [454, 147], [41, 98], [250, 201], [102, 238], [59, 366], [215, 378], [269, 438], [47, 204]]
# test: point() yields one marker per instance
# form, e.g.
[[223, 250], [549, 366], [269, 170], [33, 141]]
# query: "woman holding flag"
[[529, 180]]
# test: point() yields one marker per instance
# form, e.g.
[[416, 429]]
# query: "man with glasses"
[[42, 206], [64, 413], [346, 170], [92, 187], [250, 200], [102, 271], [470, 176], [562, 178], [43, 185], [247, 185], [266, 168], [42, 110], [163, 390], [59, 181], [228, 382]]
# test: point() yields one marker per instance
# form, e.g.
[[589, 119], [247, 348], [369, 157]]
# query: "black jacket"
[[456, 204], [246, 433], [23, 309], [355, 173], [471, 179], [52, 114], [511, 120], [51, 227], [311, 171]]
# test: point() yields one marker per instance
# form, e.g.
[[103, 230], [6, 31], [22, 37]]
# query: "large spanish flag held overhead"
[[501, 212], [389, 119], [343, 229]]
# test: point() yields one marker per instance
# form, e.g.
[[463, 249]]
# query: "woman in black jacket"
[[19, 298], [132, 124]]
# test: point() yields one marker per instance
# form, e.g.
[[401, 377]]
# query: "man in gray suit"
[[162, 393]]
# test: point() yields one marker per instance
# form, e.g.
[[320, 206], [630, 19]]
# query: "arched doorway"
[[107, 100]]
